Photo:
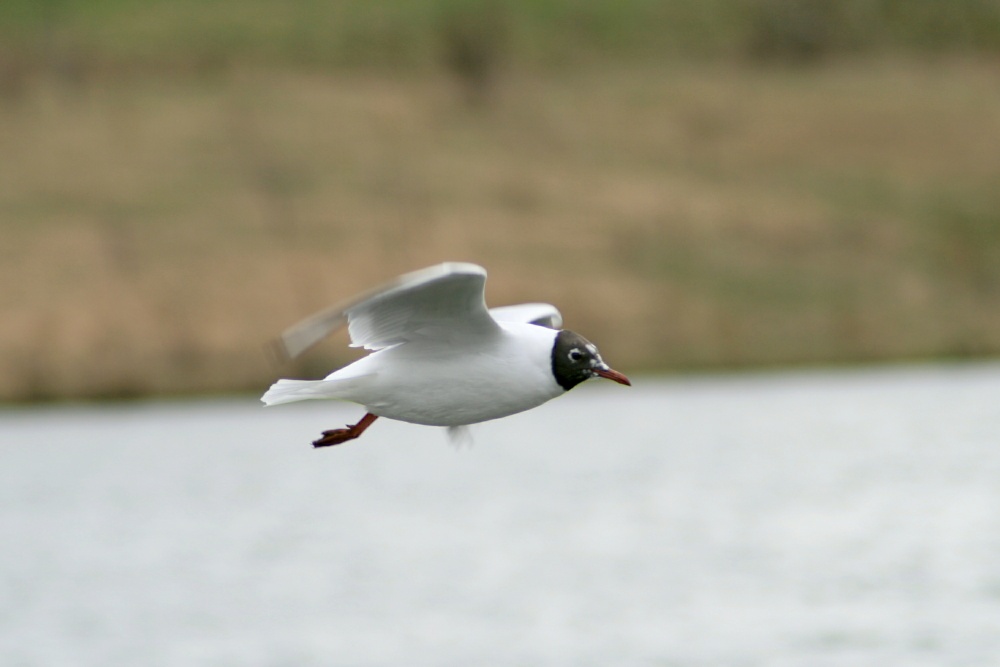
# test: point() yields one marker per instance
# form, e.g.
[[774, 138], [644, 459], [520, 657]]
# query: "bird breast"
[[426, 382]]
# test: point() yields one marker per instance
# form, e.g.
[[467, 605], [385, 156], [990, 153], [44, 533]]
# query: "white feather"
[[542, 314], [441, 301], [289, 391]]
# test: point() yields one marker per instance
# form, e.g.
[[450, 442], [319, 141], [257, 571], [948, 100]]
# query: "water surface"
[[811, 518]]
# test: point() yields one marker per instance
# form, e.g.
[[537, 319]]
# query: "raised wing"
[[542, 314], [443, 301]]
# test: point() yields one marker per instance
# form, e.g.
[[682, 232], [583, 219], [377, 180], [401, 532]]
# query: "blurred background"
[[698, 184]]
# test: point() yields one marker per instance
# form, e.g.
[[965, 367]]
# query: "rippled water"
[[821, 518]]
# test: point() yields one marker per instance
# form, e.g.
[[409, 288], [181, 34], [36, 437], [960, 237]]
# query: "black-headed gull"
[[440, 357]]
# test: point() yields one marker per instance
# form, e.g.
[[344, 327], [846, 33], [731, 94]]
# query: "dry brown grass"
[[156, 233]]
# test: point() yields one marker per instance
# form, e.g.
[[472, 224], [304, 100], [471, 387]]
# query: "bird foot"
[[335, 437], [340, 435]]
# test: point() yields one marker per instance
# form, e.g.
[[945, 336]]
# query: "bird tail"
[[289, 391]]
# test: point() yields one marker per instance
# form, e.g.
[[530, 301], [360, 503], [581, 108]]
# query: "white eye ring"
[[575, 355]]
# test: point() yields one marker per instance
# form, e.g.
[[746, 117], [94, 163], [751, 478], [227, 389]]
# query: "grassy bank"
[[156, 233], [94, 39]]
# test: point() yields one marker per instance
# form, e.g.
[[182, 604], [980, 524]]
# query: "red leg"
[[339, 435]]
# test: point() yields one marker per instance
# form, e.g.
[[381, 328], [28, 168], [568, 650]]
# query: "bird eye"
[[575, 355]]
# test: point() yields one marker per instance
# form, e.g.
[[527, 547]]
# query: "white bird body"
[[418, 382], [507, 373], [440, 357]]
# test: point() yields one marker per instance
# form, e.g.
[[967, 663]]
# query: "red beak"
[[613, 375]]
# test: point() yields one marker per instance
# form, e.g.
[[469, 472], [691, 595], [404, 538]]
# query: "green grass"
[[122, 35]]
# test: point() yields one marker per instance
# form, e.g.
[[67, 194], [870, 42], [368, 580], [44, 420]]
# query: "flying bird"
[[439, 356]]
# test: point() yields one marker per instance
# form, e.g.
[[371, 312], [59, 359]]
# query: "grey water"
[[797, 518]]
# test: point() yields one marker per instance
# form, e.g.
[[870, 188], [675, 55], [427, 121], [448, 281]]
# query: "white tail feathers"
[[289, 391]]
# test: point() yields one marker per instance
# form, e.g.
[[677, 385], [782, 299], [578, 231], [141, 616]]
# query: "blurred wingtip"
[[276, 352]]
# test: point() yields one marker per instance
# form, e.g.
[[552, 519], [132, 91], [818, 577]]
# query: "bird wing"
[[444, 301], [542, 314]]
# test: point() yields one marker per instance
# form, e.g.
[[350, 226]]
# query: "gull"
[[439, 356]]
